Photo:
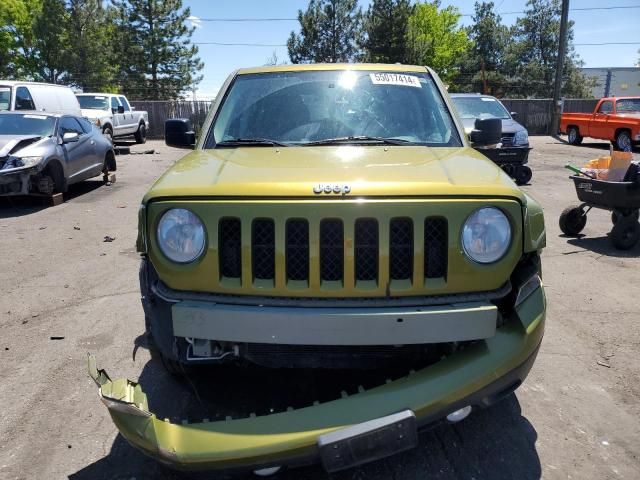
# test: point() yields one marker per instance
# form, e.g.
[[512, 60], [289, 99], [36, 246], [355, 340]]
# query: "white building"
[[615, 81]]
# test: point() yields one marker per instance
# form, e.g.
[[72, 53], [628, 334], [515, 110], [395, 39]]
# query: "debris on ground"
[[144, 152], [55, 337], [108, 239], [76, 228], [603, 363], [42, 228]]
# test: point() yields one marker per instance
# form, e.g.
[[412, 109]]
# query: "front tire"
[[141, 134], [573, 136], [625, 233], [572, 221]]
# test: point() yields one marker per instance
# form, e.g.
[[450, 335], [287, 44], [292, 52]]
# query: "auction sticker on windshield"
[[395, 79]]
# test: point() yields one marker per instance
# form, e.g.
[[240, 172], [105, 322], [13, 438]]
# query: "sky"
[[595, 26]]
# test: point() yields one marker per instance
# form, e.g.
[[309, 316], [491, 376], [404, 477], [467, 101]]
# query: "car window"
[[69, 125], [125, 104], [480, 107], [23, 99], [606, 107], [114, 103], [86, 125], [622, 106], [5, 98], [316, 106]]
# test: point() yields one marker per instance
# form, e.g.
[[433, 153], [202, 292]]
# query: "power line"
[[583, 9], [607, 43], [241, 44]]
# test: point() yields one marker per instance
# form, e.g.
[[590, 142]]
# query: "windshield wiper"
[[258, 142], [360, 138]]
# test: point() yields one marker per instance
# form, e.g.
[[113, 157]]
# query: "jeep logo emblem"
[[339, 189]]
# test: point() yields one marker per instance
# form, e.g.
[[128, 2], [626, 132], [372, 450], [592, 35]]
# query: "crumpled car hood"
[[12, 144]]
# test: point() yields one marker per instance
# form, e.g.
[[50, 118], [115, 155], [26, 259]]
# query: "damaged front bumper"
[[16, 181], [477, 376]]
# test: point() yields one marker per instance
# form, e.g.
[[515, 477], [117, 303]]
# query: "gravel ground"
[[577, 415]]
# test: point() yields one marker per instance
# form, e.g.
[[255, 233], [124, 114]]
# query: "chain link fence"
[[534, 114]]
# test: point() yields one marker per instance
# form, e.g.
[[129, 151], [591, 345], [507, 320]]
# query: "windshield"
[[25, 124], [480, 107], [298, 108], [628, 105], [5, 98], [95, 102]]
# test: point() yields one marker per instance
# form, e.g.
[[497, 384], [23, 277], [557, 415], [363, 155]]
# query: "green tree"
[[435, 38], [46, 58], [482, 66], [161, 62], [385, 26], [330, 31], [92, 63], [531, 56], [15, 29]]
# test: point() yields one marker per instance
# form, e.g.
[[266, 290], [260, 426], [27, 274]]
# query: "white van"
[[43, 97]]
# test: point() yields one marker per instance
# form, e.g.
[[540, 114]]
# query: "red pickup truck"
[[615, 118]]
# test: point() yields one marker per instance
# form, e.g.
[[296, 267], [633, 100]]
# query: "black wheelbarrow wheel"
[[523, 175], [615, 216], [572, 220], [625, 233]]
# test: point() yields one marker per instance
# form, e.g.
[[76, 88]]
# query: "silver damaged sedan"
[[45, 153]]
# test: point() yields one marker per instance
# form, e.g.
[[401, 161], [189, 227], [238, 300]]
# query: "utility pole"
[[562, 48]]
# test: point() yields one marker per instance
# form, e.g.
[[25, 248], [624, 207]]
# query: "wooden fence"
[[159, 111], [534, 114]]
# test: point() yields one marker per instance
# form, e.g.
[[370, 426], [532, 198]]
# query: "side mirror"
[[120, 109], [70, 137], [178, 132], [514, 114], [487, 131]]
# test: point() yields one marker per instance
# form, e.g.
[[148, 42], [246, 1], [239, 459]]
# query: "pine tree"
[[531, 57], [330, 31], [161, 61], [482, 66], [385, 25]]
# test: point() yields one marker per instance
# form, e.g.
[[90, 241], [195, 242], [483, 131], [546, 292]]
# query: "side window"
[[114, 103], [125, 104], [23, 99], [69, 125], [606, 107], [86, 125]]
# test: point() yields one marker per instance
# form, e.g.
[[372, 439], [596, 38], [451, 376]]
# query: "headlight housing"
[[486, 235], [30, 161], [181, 235], [521, 138]]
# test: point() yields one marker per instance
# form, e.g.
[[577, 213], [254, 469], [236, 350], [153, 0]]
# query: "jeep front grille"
[[358, 257]]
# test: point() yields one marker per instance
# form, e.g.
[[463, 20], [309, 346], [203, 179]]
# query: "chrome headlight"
[[486, 235], [181, 235], [521, 138]]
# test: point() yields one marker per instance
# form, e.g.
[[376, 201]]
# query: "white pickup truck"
[[113, 114]]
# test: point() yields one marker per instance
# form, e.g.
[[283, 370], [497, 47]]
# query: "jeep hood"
[[370, 171]]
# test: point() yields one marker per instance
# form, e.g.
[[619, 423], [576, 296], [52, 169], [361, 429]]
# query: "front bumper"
[[17, 181], [477, 376]]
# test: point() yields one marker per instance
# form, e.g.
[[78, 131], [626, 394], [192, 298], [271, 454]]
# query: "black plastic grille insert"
[[366, 249], [263, 249], [401, 249], [297, 249], [229, 241], [435, 247], [331, 249]]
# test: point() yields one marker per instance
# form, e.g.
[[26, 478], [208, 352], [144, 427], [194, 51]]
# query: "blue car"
[[46, 152]]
